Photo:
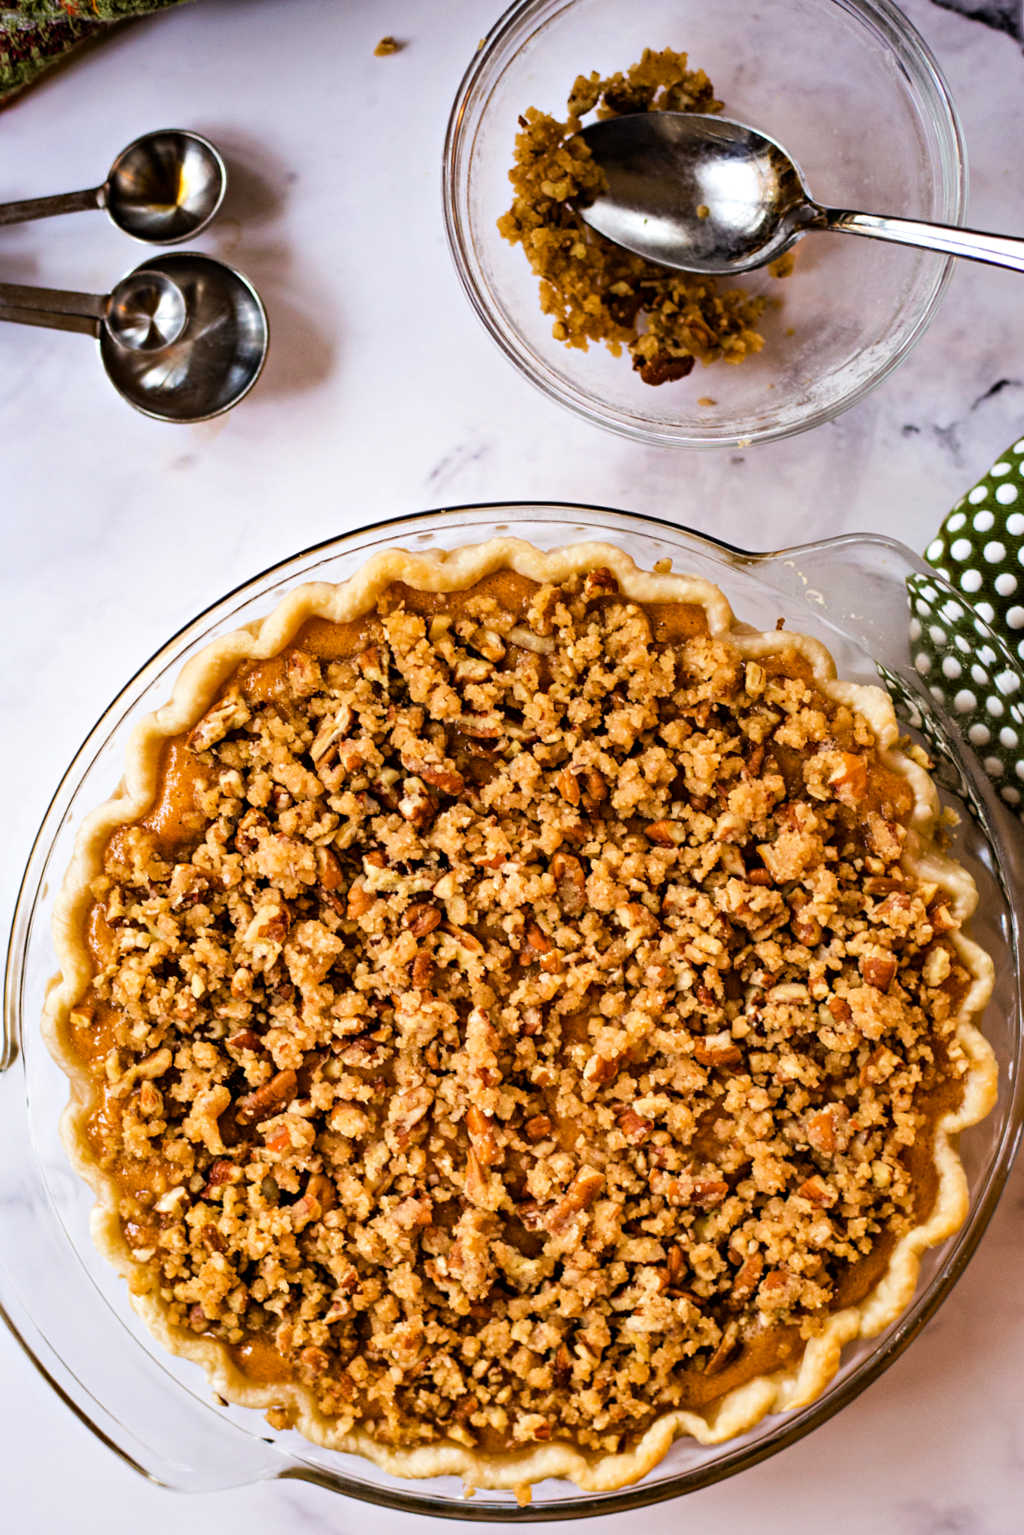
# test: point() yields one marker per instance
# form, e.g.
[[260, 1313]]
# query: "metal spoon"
[[164, 188], [710, 195], [143, 312], [187, 371]]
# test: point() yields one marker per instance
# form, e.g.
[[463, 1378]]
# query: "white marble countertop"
[[114, 530]]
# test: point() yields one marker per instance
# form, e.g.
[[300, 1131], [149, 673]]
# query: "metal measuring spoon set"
[[183, 337]]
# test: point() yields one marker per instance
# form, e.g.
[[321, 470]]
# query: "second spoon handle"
[[975, 244], [82, 324], [53, 305], [46, 207]]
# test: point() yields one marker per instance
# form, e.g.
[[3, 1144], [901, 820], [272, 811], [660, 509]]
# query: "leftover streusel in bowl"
[[830, 79], [520, 1019]]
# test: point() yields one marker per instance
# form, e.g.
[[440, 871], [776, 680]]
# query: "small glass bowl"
[[851, 90], [68, 1307]]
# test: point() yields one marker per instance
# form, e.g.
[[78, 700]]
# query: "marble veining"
[[1004, 15], [115, 530]]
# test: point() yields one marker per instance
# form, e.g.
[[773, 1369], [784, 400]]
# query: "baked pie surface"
[[517, 1015]]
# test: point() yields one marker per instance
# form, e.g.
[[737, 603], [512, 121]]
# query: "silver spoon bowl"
[[182, 338], [164, 188], [706, 194], [143, 312]]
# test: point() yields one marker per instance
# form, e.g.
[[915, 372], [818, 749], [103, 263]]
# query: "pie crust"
[[802, 1379]]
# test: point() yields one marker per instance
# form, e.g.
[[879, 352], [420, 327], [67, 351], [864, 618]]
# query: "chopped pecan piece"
[[816, 1191], [581, 1193], [747, 1279], [727, 1347], [675, 1267], [422, 918], [717, 1050], [537, 940], [849, 780], [570, 882], [372, 665], [250, 830], [827, 1128], [464, 939], [530, 1215], [595, 790], [417, 805], [807, 929], [895, 910], [623, 307], [879, 970], [330, 869], [884, 837], [246, 1039], [477, 1187], [266, 1100], [229, 713], [686, 1190], [482, 1136], [778, 1290], [663, 369], [314, 1361], [303, 672], [562, 1369], [569, 786], [278, 1140], [406, 1113], [600, 582], [634, 1126], [221, 1172], [359, 901], [879, 1066], [319, 1196], [942, 919], [423, 970]]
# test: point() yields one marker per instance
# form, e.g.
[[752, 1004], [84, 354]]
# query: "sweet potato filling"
[[513, 1020]]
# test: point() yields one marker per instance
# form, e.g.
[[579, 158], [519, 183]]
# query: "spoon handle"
[[46, 207], [975, 244], [52, 306], [75, 322]]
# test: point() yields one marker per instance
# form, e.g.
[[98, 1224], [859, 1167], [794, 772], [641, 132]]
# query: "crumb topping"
[[594, 289], [524, 1023]]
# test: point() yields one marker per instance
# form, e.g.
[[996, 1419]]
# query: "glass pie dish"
[[70, 1310]]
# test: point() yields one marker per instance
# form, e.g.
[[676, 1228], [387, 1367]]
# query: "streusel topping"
[[594, 289], [514, 1019]]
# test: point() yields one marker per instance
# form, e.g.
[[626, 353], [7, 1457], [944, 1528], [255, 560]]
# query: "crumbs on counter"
[[388, 45]]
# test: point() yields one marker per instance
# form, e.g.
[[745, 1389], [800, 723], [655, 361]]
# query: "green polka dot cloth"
[[970, 654]]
